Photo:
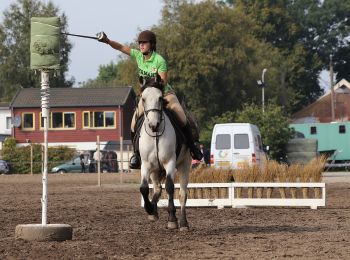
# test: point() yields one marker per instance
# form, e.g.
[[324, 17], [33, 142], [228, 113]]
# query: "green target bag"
[[45, 43]]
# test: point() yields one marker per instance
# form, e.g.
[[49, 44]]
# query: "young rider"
[[150, 63]]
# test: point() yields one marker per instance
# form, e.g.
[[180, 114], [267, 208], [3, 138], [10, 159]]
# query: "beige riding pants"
[[173, 104]]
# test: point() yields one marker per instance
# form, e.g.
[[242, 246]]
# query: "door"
[[75, 166], [241, 152], [222, 150]]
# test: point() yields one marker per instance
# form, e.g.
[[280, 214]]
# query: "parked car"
[[70, 166], [74, 164], [4, 167]]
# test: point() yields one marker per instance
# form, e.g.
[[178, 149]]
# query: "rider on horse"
[[150, 63]]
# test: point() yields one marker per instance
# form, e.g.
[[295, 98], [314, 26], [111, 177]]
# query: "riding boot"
[[195, 152], [135, 160]]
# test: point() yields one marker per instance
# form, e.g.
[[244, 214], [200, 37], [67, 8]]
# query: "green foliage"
[[15, 69], [207, 129], [273, 125], [107, 72], [214, 61], [122, 73], [19, 157]]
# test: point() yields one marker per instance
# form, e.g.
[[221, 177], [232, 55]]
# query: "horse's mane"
[[155, 82]]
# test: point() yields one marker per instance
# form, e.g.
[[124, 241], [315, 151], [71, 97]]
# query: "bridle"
[[158, 110]]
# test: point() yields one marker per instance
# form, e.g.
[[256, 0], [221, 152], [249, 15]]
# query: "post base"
[[49, 232]]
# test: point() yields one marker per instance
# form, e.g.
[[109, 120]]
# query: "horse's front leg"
[[170, 188], [157, 192], [144, 188]]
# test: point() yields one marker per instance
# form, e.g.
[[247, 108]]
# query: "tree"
[[282, 23], [122, 73], [307, 32], [207, 129], [273, 126], [213, 59], [15, 69]]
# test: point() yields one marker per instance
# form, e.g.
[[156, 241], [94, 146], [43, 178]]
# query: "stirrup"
[[135, 162]]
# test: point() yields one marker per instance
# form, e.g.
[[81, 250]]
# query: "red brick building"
[[320, 111], [77, 116]]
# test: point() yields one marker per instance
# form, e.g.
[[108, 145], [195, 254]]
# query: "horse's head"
[[152, 100]]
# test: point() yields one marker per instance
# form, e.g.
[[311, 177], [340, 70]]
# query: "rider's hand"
[[102, 37]]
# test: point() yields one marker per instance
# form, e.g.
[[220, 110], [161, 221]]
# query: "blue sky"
[[121, 20]]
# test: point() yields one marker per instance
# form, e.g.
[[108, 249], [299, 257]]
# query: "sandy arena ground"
[[108, 223]]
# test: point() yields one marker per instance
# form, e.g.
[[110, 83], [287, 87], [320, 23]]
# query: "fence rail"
[[230, 198]]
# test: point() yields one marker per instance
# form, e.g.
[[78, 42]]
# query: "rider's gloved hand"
[[102, 37]]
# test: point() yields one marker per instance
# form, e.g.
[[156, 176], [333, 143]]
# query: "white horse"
[[157, 145]]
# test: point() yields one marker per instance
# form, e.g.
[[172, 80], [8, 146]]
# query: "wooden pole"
[[121, 160], [31, 159], [128, 157], [331, 87], [98, 161]]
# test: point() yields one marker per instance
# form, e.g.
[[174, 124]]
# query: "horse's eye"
[[143, 100]]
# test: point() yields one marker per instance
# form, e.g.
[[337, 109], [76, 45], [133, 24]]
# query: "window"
[[86, 119], [241, 141], [60, 120], [98, 119], [313, 130], [28, 121], [223, 141], [69, 120], [8, 122], [109, 119], [342, 129]]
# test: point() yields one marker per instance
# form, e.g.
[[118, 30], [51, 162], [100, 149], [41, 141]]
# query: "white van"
[[235, 144]]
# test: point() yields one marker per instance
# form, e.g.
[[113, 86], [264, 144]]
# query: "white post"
[[98, 164], [31, 159], [263, 89], [121, 159], [45, 114], [263, 99], [128, 157]]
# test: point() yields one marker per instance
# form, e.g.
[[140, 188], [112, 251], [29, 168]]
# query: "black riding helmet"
[[148, 36]]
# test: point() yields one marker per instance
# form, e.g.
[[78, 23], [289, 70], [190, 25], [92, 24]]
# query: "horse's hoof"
[[173, 225], [184, 228], [153, 217]]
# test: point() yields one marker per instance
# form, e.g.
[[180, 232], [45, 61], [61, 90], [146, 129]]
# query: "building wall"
[[329, 137], [4, 114], [67, 135]]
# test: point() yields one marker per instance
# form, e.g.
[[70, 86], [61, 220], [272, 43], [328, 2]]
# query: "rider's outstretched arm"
[[119, 47], [115, 45]]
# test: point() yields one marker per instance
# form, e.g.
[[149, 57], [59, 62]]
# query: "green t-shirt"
[[150, 67]]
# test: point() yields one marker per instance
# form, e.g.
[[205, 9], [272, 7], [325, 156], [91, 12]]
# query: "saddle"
[[180, 137]]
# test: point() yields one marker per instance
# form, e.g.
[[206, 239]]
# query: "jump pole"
[[44, 231]]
